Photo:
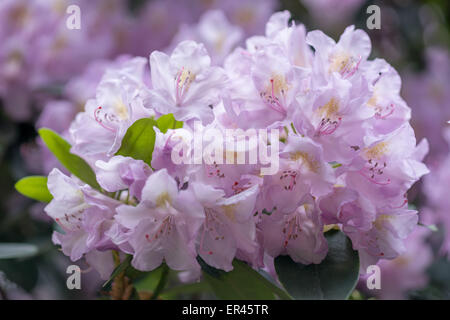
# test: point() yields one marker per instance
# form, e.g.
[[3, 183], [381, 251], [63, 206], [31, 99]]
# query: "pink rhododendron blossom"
[[121, 173], [185, 83], [163, 225], [298, 234], [82, 213], [407, 271], [118, 103], [346, 153]]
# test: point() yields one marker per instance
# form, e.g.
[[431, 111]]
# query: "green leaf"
[[118, 270], [167, 121], [334, 278], [34, 187], [241, 283], [178, 124], [17, 250], [139, 141], [150, 281], [76, 165]]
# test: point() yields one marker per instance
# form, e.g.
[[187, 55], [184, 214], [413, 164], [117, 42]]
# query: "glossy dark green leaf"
[[334, 278], [76, 165], [34, 187], [241, 283], [139, 141]]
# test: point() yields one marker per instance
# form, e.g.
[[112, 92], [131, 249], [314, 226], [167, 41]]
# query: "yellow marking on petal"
[[372, 101], [186, 78], [230, 211], [307, 159], [330, 109], [377, 151], [220, 42], [378, 223], [121, 109], [401, 261], [163, 200], [278, 82], [234, 155], [339, 62], [231, 155]]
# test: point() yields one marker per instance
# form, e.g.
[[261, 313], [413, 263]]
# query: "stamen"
[[215, 172], [183, 80], [70, 220], [272, 100], [292, 176], [202, 241], [101, 118], [350, 67], [389, 110], [380, 74], [238, 187], [374, 171], [209, 225], [178, 89], [164, 229], [327, 126], [58, 222], [405, 201], [291, 229]]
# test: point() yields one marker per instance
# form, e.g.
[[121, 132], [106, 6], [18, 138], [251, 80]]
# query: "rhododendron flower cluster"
[[347, 156]]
